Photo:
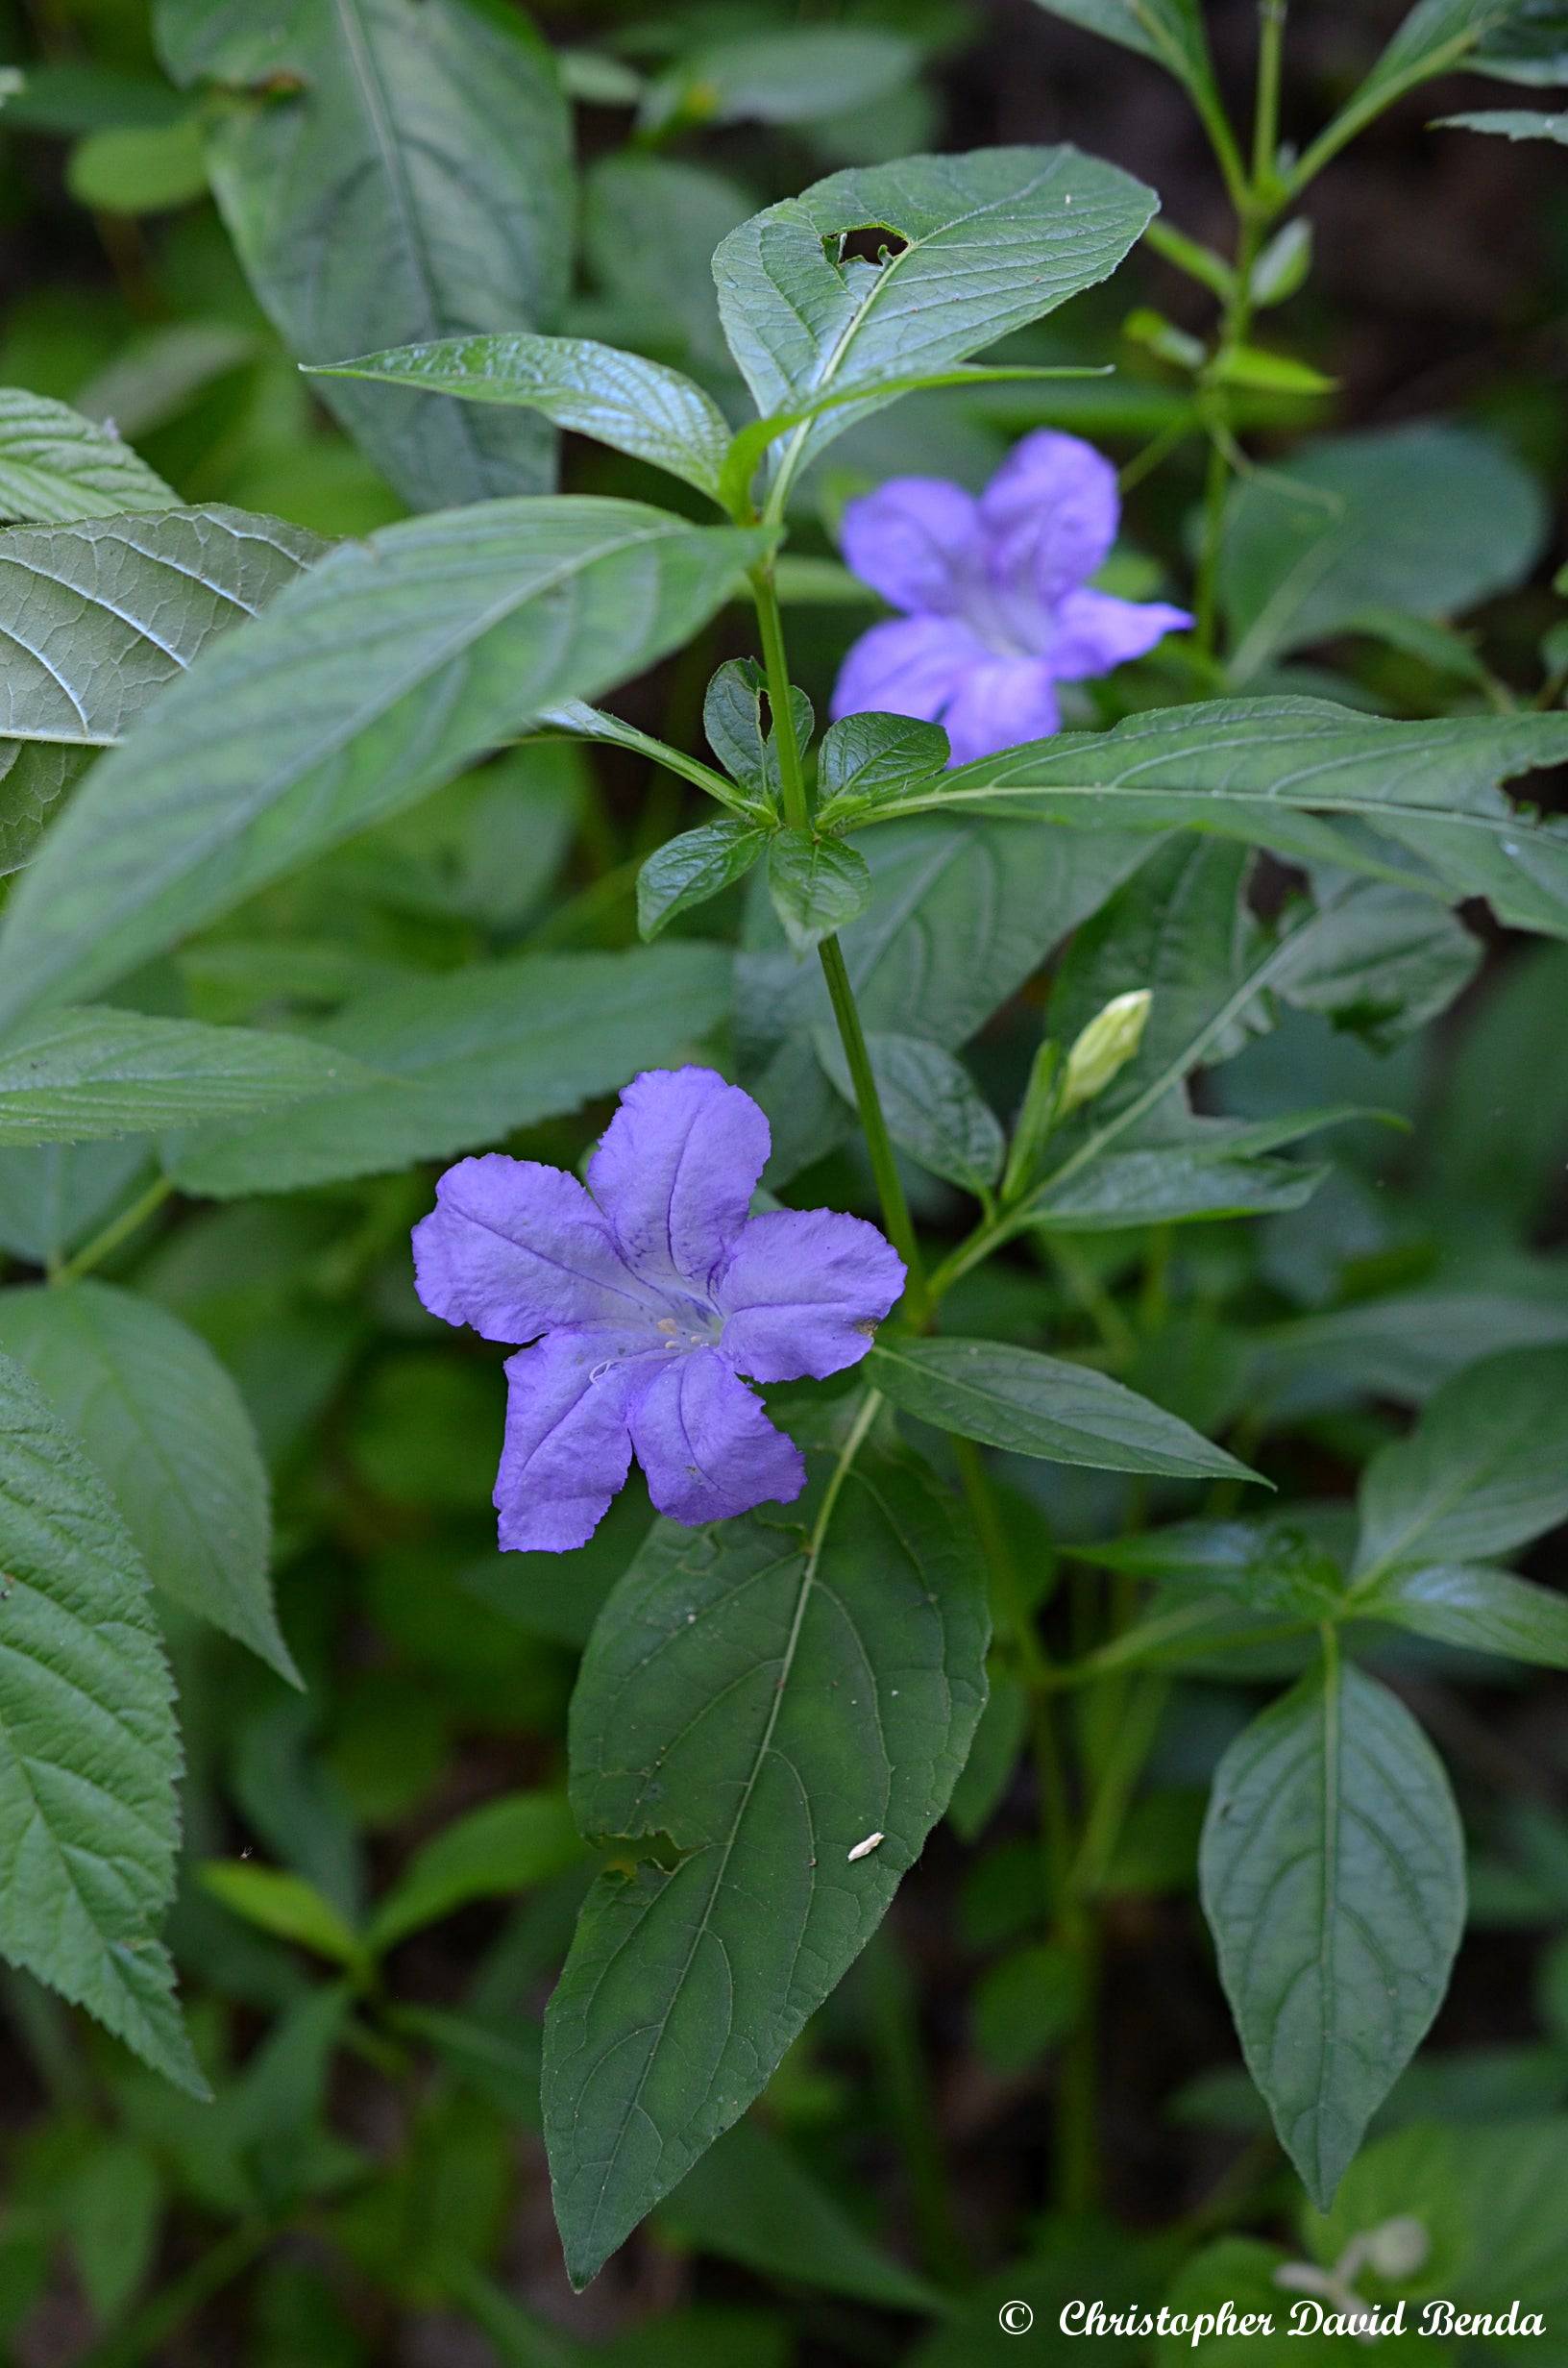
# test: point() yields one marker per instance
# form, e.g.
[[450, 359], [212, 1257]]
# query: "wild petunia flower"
[[995, 592], [646, 1296]]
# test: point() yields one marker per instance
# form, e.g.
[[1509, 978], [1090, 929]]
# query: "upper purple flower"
[[653, 1290], [994, 590]]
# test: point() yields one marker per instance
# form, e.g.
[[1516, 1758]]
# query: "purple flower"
[[646, 1296], [994, 591]]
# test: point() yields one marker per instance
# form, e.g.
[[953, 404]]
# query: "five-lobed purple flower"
[[995, 592], [646, 1296]]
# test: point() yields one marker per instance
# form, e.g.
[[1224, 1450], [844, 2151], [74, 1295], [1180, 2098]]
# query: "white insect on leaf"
[[863, 1849]]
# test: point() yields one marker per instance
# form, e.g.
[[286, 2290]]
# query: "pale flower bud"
[[1397, 2249], [1105, 1045]]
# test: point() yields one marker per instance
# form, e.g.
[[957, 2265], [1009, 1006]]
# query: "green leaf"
[[55, 465], [872, 761], [793, 74], [803, 322], [622, 400], [1485, 1468], [750, 2200], [371, 680], [959, 918], [650, 227], [510, 1844], [1434, 38], [1272, 374], [1384, 961], [1267, 771], [1480, 1611], [74, 1076], [465, 1058], [1509, 123], [167, 1429], [1168, 1185], [114, 2205], [53, 1195], [767, 1698], [1333, 1878], [89, 1756], [96, 618], [818, 886], [391, 171], [1428, 517], [143, 168], [737, 720], [930, 1103], [1274, 1564], [1034, 1405], [1525, 41], [284, 1904], [1169, 31], [1026, 2003], [688, 870]]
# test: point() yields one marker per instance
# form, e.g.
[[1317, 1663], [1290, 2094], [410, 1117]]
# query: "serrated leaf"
[[1428, 517], [507, 1845], [1509, 123], [872, 761], [284, 1904], [817, 885], [89, 1071], [391, 171], [623, 400], [462, 1059], [55, 465], [371, 680], [738, 724], [89, 1756], [1485, 1468], [1479, 1610], [1333, 1878], [166, 1426], [96, 618], [1046, 223], [693, 866], [841, 1687], [1036, 1405], [1417, 802], [1169, 31], [931, 1104]]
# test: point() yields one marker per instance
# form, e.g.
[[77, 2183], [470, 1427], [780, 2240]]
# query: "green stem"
[[1265, 122], [896, 2035], [117, 1230], [1361, 110], [901, 1226]]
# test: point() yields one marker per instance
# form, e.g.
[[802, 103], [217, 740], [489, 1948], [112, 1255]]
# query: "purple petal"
[[915, 540], [676, 1171], [1050, 515], [1096, 632], [802, 1292], [512, 1248], [567, 1449], [1001, 703], [707, 1447], [909, 666]]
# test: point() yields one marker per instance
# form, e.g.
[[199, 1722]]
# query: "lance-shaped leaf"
[[1333, 1878], [1434, 38], [1034, 1405], [391, 170], [89, 1756], [90, 1071], [692, 867], [56, 465], [1169, 31], [1485, 1468], [1424, 796], [166, 1426], [1480, 1610], [371, 680], [95, 618], [769, 1698], [932, 1105], [975, 247], [454, 1063], [1509, 123], [637, 406]]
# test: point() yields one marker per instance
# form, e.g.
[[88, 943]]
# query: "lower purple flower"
[[648, 1297], [995, 592]]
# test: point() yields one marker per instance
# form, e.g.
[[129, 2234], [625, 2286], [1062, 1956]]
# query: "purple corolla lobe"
[[995, 595], [646, 1295]]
